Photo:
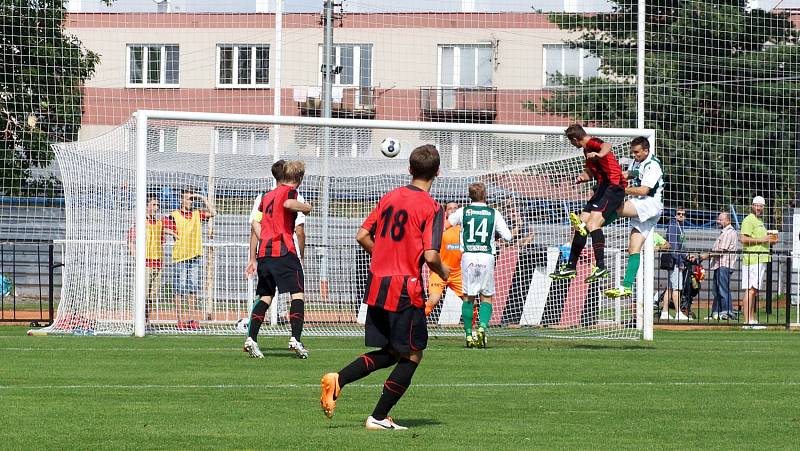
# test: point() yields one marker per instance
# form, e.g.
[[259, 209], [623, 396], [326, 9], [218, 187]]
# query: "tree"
[[722, 93], [40, 92]]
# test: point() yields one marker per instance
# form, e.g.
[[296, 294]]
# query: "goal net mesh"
[[530, 180]]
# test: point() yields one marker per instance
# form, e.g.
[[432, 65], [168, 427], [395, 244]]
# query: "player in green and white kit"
[[644, 207], [479, 224]]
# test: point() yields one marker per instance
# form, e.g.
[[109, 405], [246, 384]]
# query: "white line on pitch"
[[453, 385], [428, 350]]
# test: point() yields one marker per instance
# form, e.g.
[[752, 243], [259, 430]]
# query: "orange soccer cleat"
[[330, 391]]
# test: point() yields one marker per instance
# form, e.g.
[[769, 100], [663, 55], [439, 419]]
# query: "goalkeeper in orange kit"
[[450, 253]]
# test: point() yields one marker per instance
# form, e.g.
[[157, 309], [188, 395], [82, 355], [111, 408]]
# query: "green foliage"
[[722, 92], [40, 91]]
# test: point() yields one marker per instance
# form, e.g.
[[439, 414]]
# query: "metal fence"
[[776, 302], [31, 271]]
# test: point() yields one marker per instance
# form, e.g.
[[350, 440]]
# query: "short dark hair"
[[477, 191], [278, 170], [187, 190], [641, 141], [575, 131], [424, 162], [152, 197]]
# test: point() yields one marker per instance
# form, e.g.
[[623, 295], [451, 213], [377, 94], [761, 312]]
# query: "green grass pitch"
[[685, 390]]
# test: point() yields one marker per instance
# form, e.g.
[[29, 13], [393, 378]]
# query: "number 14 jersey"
[[479, 224], [405, 223]]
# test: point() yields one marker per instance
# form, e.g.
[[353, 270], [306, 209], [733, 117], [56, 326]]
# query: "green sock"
[[631, 270], [466, 313], [485, 313]]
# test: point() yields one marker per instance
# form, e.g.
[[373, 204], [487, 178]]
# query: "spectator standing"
[[186, 224], [723, 260], [676, 240], [755, 256]]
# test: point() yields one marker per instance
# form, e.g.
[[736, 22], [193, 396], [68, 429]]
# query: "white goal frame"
[[646, 271]]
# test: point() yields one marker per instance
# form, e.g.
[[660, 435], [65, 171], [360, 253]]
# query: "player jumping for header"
[[601, 165]]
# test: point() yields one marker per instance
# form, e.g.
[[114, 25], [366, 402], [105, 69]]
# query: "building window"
[[563, 60], [465, 65], [162, 139], [153, 65], [247, 141], [355, 61], [242, 65]]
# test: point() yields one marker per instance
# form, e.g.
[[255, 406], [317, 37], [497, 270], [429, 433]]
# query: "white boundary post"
[[141, 215], [648, 273]]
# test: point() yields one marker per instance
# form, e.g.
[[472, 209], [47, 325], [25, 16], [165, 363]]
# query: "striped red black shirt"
[[277, 223], [606, 170], [405, 223]]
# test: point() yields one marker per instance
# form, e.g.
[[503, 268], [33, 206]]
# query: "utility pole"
[[328, 72]]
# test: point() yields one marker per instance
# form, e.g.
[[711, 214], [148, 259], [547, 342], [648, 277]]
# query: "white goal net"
[[225, 160]]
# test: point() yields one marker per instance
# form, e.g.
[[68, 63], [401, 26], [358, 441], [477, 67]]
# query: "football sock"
[[256, 318], [631, 270], [394, 387], [466, 314], [485, 313], [366, 364], [599, 246], [297, 317], [578, 243]]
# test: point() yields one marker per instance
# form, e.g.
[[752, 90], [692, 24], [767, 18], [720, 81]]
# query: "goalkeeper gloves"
[[428, 309]]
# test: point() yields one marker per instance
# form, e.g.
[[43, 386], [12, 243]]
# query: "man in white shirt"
[[644, 207]]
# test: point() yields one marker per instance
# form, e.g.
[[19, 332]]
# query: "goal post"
[[529, 170]]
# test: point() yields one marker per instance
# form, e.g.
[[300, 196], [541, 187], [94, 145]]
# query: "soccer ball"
[[390, 147], [242, 325]]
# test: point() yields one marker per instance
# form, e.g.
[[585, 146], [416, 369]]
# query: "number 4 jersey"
[[479, 224], [405, 223]]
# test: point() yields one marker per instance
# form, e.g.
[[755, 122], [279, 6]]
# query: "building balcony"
[[458, 104], [356, 102]]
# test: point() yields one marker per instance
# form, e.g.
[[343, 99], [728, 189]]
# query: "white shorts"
[[649, 211], [676, 278], [477, 273], [753, 276]]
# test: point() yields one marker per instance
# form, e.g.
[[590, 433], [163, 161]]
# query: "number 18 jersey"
[[405, 223]]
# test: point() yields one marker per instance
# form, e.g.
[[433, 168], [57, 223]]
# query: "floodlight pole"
[[327, 86]]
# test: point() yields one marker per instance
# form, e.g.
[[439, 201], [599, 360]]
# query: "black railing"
[[773, 304], [463, 104], [356, 102], [27, 267]]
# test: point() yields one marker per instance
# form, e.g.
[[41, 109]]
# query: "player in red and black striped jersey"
[[278, 265], [402, 232], [609, 195]]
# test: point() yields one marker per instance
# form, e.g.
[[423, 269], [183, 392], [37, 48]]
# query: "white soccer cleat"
[[251, 347], [387, 423], [298, 348], [665, 316], [680, 316]]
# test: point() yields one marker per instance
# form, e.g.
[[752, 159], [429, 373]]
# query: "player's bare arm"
[[605, 148], [584, 177], [637, 190], [434, 262], [250, 269], [211, 211], [296, 205], [300, 231], [364, 238]]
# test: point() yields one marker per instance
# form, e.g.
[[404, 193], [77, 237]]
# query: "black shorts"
[[607, 199], [403, 331], [285, 272]]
